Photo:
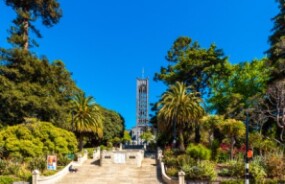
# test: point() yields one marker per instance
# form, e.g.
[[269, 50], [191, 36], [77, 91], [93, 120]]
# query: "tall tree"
[[33, 87], [113, 123], [193, 65], [245, 84], [27, 12], [179, 109], [276, 52], [86, 117], [275, 106]]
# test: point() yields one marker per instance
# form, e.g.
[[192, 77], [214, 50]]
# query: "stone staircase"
[[91, 173]]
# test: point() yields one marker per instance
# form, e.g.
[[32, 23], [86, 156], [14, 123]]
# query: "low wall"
[[38, 179], [130, 157], [166, 178]]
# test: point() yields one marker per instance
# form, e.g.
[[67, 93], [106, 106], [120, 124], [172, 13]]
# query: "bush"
[[172, 171], [3, 166], [90, 152], [34, 139], [7, 179], [222, 155], [232, 182], [24, 173], [184, 160], [198, 152], [170, 161], [236, 168], [257, 170], [37, 163], [63, 160], [275, 165], [203, 170]]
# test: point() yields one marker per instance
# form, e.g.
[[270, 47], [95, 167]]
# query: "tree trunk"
[[181, 140], [80, 146], [197, 133], [26, 34]]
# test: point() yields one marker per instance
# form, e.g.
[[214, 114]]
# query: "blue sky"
[[106, 44]]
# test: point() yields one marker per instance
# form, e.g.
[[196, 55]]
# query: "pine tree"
[[27, 12], [276, 53]]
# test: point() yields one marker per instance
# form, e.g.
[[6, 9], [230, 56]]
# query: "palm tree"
[[179, 108], [86, 117]]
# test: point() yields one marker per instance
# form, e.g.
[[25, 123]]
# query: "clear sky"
[[106, 44]]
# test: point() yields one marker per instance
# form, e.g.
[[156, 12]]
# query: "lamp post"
[[246, 153]]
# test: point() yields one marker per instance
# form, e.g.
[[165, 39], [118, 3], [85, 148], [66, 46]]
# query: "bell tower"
[[142, 102]]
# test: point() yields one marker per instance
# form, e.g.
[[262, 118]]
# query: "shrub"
[[90, 152], [257, 170], [203, 170], [7, 179], [224, 172], [12, 169], [37, 163], [184, 160], [24, 173], [275, 165], [274, 181], [35, 139], [3, 166], [170, 161], [222, 155], [232, 182], [236, 168], [172, 171], [63, 160], [198, 152]]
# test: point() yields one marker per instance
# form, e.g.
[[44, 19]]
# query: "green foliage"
[[113, 124], [33, 87], [222, 155], [202, 170], [192, 65], [237, 181], [198, 152], [276, 40], [36, 139], [236, 168], [63, 160], [257, 170], [7, 179], [172, 171], [86, 117], [37, 163], [178, 110], [127, 137], [147, 136], [275, 165], [233, 130], [184, 159], [28, 12], [235, 92], [116, 141]]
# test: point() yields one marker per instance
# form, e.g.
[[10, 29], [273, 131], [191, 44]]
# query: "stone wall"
[[130, 157]]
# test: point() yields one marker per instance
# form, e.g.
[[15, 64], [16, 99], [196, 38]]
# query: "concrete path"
[[90, 173]]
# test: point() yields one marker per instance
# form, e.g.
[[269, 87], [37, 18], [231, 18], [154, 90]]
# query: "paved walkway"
[[90, 173]]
